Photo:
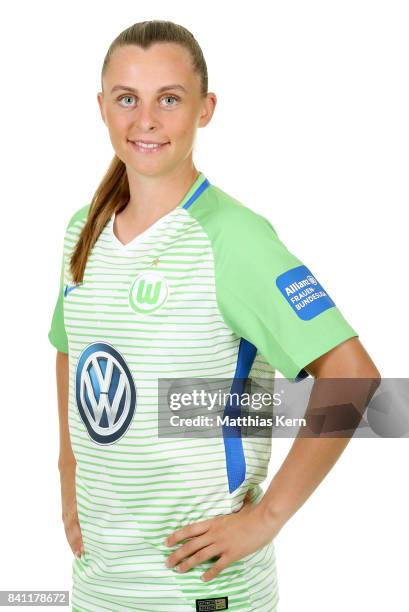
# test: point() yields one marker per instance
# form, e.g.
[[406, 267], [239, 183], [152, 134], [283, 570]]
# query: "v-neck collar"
[[196, 189]]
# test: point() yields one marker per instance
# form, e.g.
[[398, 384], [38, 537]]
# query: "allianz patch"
[[215, 603], [303, 292]]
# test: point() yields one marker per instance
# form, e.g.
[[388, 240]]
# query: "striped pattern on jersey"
[[132, 493]]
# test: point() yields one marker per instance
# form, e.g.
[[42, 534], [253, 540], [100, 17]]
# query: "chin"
[[147, 169]]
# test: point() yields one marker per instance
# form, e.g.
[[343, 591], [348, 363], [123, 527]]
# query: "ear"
[[208, 107], [101, 105]]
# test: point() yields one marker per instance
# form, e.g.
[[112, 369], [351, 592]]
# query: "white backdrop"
[[311, 130]]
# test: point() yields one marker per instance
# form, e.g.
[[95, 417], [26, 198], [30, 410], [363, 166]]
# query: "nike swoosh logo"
[[68, 289]]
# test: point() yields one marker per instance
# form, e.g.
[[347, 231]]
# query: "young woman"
[[166, 275]]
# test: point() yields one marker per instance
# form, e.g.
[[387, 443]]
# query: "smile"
[[147, 148]]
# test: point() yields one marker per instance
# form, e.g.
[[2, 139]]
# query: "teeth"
[[147, 146]]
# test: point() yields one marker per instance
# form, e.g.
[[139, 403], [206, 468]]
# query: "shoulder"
[[79, 217], [226, 218], [242, 239]]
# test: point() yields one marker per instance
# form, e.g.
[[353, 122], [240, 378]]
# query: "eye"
[[171, 97], [168, 97], [125, 96]]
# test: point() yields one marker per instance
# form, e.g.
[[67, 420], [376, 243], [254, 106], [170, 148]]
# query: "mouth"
[[147, 147]]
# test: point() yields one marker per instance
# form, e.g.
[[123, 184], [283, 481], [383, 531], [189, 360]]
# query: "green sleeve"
[[57, 334], [266, 294]]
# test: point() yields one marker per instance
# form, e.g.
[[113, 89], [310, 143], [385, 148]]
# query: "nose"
[[146, 118]]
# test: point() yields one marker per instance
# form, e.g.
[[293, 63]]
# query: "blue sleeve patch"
[[303, 292]]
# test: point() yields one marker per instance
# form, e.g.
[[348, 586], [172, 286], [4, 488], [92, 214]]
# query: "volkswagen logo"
[[105, 392]]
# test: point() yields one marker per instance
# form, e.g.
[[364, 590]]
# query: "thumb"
[[247, 499]]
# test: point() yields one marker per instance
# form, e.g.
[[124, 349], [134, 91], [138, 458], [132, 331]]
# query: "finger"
[[78, 549], [247, 498], [188, 531], [74, 537], [216, 568], [247, 501], [79, 544], [199, 557], [188, 549]]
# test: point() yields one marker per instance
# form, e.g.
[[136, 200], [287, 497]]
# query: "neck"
[[154, 196]]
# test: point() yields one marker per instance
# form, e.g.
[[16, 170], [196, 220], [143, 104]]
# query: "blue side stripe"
[[233, 444], [197, 193]]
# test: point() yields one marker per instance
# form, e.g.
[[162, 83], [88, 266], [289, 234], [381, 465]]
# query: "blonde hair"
[[112, 194]]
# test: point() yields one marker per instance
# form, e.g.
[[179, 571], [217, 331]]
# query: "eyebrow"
[[164, 88]]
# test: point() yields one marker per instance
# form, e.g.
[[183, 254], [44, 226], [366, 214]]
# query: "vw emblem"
[[105, 392]]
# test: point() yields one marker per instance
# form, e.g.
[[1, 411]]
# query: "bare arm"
[[238, 534], [66, 458], [310, 459], [66, 461]]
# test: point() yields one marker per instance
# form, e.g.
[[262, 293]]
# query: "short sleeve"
[[57, 334], [268, 296]]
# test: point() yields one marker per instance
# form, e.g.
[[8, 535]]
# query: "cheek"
[[181, 126], [118, 122]]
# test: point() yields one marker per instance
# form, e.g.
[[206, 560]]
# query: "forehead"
[[160, 64]]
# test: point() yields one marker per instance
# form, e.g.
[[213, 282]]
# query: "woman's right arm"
[[66, 461]]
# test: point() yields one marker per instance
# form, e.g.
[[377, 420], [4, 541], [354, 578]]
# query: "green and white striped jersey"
[[208, 290]]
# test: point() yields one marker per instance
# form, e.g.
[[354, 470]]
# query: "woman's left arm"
[[233, 536], [311, 458]]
